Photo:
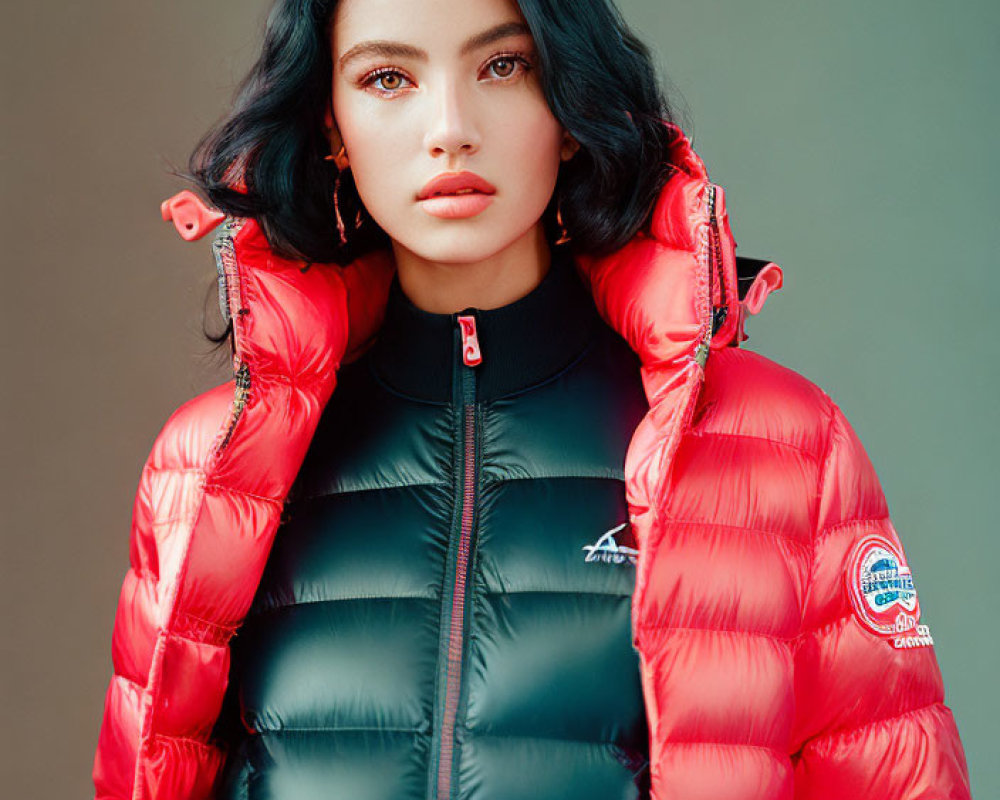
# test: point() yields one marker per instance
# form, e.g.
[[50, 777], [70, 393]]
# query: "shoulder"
[[790, 427], [748, 394], [186, 438]]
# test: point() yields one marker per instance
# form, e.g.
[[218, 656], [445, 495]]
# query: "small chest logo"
[[882, 593], [611, 551]]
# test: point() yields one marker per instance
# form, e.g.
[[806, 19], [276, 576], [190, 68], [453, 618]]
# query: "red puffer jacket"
[[775, 618]]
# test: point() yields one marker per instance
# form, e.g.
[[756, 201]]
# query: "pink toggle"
[[768, 280], [192, 218], [471, 354]]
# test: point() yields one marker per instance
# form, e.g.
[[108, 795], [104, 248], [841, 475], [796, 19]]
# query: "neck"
[[522, 343], [444, 287]]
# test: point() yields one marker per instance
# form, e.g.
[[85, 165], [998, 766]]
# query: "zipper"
[[240, 397], [229, 290], [454, 602], [702, 351], [715, 262], [715, 244]]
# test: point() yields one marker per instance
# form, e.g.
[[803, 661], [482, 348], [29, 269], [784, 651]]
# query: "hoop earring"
[[565, 237], [336, 211], [341, 228], [340, 157]]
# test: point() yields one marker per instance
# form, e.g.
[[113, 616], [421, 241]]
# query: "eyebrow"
[[390, 49]]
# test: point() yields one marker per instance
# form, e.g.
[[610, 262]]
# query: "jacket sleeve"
[[169, 489], [870, 718]]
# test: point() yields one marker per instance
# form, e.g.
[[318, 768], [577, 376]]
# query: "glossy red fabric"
[[752, 500]]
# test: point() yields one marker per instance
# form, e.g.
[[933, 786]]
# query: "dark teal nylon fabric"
[[342, 667]]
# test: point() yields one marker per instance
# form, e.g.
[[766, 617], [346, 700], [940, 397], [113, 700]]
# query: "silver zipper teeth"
[[225, 264], [701, 354], [239, 402]]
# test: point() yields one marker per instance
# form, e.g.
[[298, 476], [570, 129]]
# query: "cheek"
[[533, 153], [543, 132], [533, 131], [378, 162], [379, 174]]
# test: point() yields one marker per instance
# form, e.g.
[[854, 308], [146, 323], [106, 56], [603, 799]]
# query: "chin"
[[456, 245]]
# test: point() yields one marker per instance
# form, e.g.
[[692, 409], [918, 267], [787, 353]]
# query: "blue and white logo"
[[607, 550], [880, 585]]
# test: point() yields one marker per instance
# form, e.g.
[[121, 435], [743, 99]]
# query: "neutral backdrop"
[[857, 144]]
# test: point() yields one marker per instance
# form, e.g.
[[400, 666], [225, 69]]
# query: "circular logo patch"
[[881, 587]]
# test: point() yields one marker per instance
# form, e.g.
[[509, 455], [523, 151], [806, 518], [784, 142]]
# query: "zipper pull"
[[471, 354]]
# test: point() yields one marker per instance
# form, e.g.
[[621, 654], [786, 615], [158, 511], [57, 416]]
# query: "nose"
[[451, 130]]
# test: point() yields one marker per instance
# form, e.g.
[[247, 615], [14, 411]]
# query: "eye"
[[504, 65], [391, 80]]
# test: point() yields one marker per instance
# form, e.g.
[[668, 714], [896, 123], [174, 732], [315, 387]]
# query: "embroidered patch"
[[609, 551], [882, 593]]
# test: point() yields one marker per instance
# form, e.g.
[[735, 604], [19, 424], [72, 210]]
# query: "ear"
[[569, 147], [332, 134]]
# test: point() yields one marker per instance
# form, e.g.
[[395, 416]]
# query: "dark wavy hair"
[[599, 81]]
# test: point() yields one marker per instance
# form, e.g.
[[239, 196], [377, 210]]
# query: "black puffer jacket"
[[445, 612]]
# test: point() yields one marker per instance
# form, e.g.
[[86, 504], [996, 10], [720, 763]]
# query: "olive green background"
[[856, 141]]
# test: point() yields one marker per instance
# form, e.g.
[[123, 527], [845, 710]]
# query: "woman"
[[548, 531]]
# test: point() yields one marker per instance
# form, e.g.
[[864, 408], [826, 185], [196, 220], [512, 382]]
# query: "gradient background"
[[856, 140]]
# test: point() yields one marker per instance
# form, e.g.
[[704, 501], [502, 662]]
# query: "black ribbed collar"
[[522, 343]]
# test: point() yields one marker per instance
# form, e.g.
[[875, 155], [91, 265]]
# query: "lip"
[[456, 206], [449, 183]]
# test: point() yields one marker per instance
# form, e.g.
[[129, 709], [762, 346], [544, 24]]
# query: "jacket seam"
[[186, 638], [297, 383], [218, 487], [492, 592], [337, 729], [279, 607], [591, 742], [319, 496], [852, 729], [821, 487], [813, 455], [847, 522], [311, 498], [734, 631], [221, 629], [579, 357], [765, 747], [185, 740], [403, 396], [491, 482], [746, 528], [196, 618], [158, 468]]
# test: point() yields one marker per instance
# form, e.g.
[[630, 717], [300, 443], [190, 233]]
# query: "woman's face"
[[425, 87]]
